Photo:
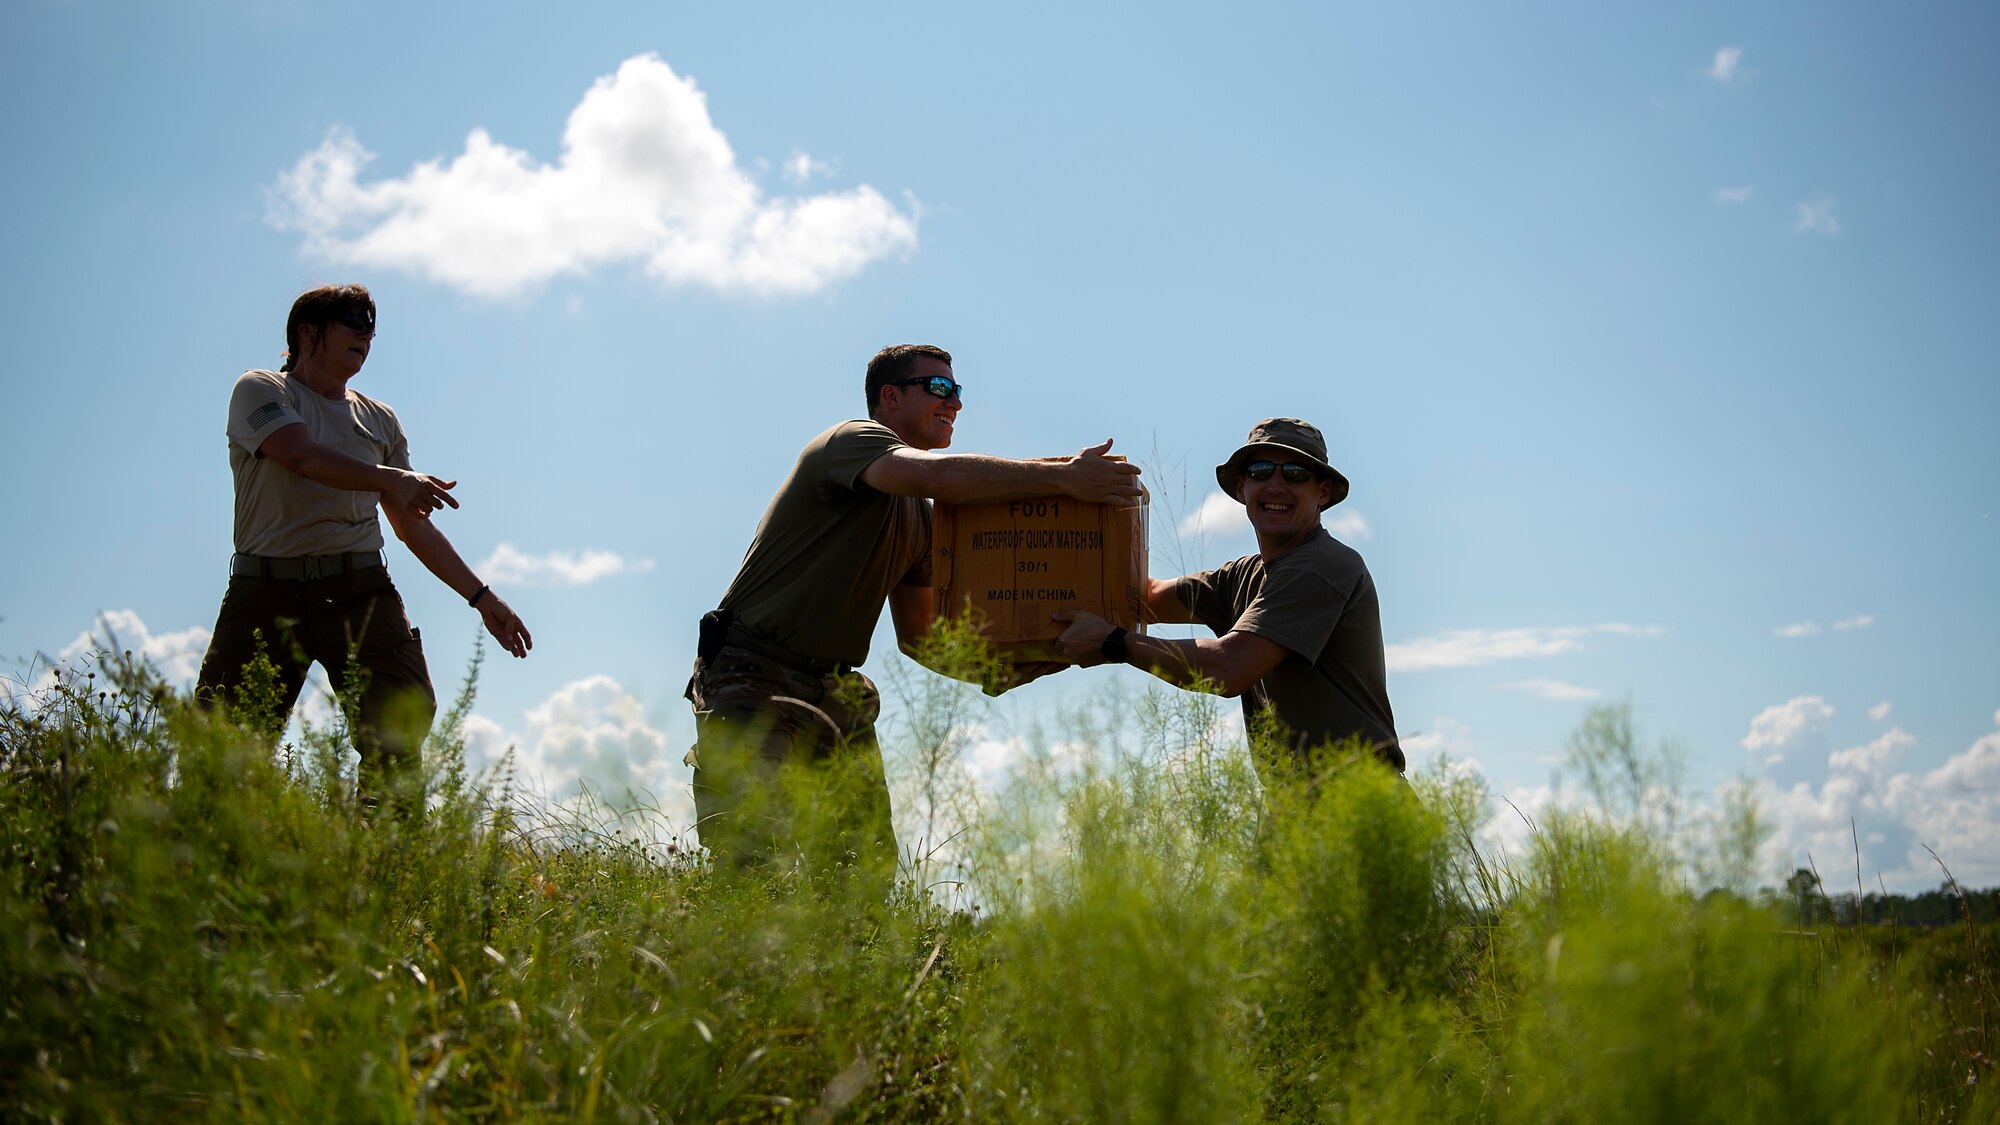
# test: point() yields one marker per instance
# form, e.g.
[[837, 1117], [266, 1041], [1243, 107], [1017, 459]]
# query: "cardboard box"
[[1014, 563]]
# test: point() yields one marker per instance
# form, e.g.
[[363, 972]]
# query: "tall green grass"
[[196, 927]]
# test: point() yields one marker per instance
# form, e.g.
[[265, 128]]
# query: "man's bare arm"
[[969, 478], [1234, 661], [1164, 604], [911, 609], [415, 494], [437, 554]]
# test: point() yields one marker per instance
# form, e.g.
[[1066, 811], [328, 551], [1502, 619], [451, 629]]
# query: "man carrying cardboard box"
[[1298, 627], [774, 680]]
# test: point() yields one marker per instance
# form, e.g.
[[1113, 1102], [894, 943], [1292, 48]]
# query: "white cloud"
[[1976, 770], [1348, 525], [645, 177], [1465, 648], [1446, 736], [1860, 621], [1815, 216], [1786, 728], [800, 168], [176, 656], [1874, 758], [1800, 629], [508, 565], [591, 735], [1219, 513], [1735, 194], [1954, 808], [1880, 711], [1557, 690], [1723, 67]]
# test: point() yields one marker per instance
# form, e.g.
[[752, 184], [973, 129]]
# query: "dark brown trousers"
[[786, 765], [355, 618]]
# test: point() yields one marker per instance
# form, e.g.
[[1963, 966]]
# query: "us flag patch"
[[266, 414]]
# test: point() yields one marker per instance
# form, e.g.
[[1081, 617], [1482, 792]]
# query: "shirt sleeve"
[[258, 408], [1298, 607], [398, 456], [853, 447], [1208, 595]]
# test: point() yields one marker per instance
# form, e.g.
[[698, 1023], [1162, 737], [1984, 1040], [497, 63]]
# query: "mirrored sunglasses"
[[1294, 472], [937, 386]]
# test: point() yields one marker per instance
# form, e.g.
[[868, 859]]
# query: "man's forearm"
[[335, 469], [972, 478], [1187, 663], [437, 554]]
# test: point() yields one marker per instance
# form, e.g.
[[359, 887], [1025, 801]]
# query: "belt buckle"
[[311, 564]]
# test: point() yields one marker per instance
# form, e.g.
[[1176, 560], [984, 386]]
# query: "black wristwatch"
[[1113, 647]]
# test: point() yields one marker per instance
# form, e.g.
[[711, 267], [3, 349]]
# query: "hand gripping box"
[[1014, 563]]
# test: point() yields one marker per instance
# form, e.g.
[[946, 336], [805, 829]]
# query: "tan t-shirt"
[[278, 512], [830, 549], [1319, 601]]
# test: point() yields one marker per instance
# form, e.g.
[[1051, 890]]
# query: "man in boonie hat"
[[1298, 629]]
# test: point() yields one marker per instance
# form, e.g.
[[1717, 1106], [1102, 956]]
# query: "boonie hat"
[[1282, 439]]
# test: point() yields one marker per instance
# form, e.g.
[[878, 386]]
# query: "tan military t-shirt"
[[278, 512], [829, 550], [1318, 600]]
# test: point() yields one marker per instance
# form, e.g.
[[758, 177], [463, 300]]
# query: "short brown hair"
[[894, 362], [319, 307]]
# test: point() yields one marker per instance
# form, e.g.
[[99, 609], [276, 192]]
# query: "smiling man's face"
[[920, 418], [1281, 510]]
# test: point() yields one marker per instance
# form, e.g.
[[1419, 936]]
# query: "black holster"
[[714, 633]]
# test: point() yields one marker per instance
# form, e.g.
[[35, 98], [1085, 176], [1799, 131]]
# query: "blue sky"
[[1658, 344]]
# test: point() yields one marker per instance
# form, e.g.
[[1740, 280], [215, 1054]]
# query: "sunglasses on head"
[[1294, 472], [937, 386]]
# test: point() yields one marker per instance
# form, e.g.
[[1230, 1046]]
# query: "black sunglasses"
[[937, 386], [1294, 472], [359, 322]]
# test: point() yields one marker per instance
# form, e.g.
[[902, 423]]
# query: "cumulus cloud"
[[1445, 736], [1880, 711], [1954, 809], [1348, 525], [644, 178], [1859, 621], [591, 736], [1876, 757], [1724, 66], [1556, 690], [1735, 194], [1465, 648], [1815, 216], [1798, 629], [176, 656], [1219, 513], [508, 565], [1788, 728]]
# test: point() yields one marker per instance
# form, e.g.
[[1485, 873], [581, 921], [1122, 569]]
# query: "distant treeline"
[[1947, 905]]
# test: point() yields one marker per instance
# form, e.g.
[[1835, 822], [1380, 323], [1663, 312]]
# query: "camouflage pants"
[[786, 765]]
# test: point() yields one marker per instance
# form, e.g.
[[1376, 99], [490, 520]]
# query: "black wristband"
[[1113, 647], [473, 601]]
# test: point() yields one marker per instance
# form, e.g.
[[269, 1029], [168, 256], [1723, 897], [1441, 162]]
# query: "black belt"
[[737, 638], [303, 568]]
